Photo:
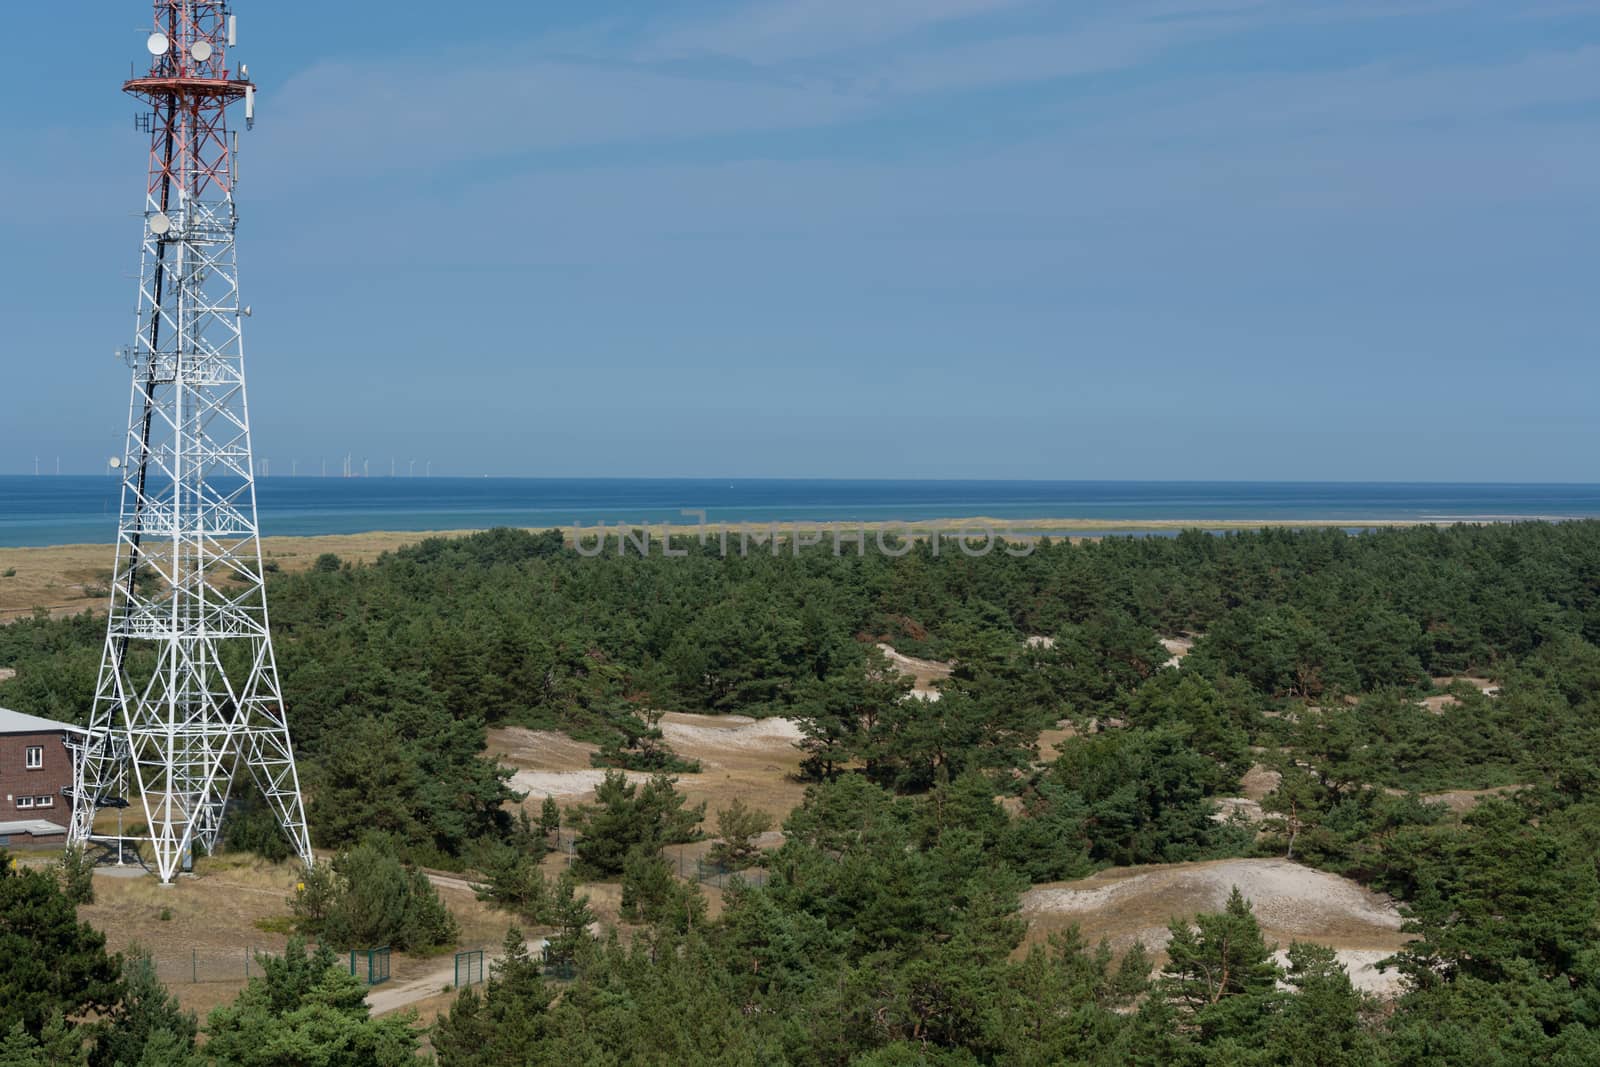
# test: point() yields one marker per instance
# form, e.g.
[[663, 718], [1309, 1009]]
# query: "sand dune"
[[1292, 902]]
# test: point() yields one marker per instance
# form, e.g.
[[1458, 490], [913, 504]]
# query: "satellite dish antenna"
[[201, 50], [160, 224], [114, 462], [158, 44]]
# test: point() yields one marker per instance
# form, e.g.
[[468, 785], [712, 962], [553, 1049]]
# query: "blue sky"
[[1332, 239]]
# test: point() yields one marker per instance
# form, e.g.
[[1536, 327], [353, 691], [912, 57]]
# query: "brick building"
[[35, 768]]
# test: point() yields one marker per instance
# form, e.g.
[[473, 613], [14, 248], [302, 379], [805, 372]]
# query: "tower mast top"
[[189, 52]]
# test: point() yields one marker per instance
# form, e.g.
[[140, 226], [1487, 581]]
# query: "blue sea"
[[46, 510]]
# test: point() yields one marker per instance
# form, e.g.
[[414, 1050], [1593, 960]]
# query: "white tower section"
[[188, 690]]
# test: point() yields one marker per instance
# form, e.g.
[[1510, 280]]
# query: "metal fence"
[[469, 967], [691, 864], [199, 965], [371, 965], [560, 970], [714, 875]]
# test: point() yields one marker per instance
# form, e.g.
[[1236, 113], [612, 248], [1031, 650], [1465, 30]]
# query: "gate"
[[469, 967], [371, 965]]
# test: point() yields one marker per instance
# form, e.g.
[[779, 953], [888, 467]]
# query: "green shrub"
[[739, 825], [513, 880], [76, 871], [626, 816], [252, 826], [367, 897]]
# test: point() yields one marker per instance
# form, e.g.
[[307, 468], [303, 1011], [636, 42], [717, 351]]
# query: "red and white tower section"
[[188, 691]]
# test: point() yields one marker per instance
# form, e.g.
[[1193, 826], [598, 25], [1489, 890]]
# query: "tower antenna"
[[188, 691]]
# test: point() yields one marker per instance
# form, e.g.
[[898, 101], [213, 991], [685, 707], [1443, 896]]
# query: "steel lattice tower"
[[188, 685]]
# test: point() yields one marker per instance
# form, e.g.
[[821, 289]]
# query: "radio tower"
[[188, 686]]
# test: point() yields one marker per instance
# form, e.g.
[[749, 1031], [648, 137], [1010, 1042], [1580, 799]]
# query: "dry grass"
[[1461, 801], [209, 930], [1258, 781], [1050, 741], [63, 579]]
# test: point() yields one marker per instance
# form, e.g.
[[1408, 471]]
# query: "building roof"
[[36, 827], [14, 722]]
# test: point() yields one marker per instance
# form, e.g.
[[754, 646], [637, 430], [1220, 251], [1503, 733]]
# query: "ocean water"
[[50, 510]]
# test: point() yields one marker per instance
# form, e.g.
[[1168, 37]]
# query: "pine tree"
[[550, 819], [738, 826], [146, 1010], [571, 915], [50, 963], [506, 1022], [1220, 974]]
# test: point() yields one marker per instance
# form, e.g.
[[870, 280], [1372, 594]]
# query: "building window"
[[44, 802], [35, 757], [24, 802]]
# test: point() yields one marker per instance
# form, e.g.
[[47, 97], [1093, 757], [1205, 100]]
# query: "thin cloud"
[[777, 30]]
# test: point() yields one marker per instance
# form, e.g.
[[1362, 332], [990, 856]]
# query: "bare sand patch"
[[1362, 966], [563, 785], [1228, 807], [545, 763], [1050, 741], [710, 736], [1461, 801], [1483, 685], [1440, 702], [1258, 781], [753, 759], [1129, 904], [542, 750], [1177, 648], [925, 674]]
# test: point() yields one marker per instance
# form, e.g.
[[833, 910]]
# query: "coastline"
[[63, 579]]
